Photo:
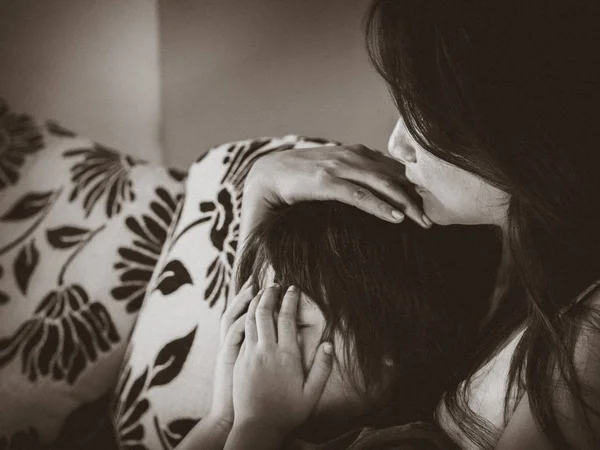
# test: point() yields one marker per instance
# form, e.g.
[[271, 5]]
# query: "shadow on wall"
[[233, 69]]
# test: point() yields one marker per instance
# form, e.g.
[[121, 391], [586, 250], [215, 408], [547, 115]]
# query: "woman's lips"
[[418, 189]]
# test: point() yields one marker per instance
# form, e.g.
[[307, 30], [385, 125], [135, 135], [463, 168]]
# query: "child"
[[397, 304]]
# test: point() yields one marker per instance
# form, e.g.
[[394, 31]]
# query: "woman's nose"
[[399, 145]]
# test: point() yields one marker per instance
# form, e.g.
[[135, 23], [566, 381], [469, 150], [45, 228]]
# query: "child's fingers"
[[264, 314], [319, 372], [240, 302], [234, 290], [286, 323], [250, 323], [235, 334], [236, 309], [247, 283]]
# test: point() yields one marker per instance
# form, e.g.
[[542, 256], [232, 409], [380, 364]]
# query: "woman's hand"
[[351, 174], [270, 388], [232, 335]]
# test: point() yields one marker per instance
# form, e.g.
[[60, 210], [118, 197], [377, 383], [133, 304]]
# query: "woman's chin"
[[439, 217]]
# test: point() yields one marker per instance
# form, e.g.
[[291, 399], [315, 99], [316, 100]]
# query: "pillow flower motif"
[[102, 174], [19, 138], [67, 331], [137, 262], [81, 229]]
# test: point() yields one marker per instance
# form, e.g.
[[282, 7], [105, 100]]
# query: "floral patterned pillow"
[[81, 230], [165, 384]]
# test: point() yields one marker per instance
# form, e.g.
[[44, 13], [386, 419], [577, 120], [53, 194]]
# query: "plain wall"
[[233, 69], [92, 65]]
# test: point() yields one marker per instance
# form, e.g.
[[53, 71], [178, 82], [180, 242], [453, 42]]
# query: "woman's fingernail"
[[274, 285], [397, 215], [427, 221], [327, 348], [293, 288]]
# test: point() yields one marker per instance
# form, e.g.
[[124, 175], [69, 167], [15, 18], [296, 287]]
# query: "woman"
[[499, 126]]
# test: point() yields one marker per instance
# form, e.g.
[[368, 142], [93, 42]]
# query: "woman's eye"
[[301, 326]]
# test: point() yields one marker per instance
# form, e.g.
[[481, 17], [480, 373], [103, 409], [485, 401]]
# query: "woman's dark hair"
[[391, 291], [512, 95]]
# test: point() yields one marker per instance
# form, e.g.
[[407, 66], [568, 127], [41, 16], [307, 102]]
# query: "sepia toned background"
[[165, 80]]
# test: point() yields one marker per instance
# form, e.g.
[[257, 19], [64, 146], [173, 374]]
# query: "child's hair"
[[393, 292]]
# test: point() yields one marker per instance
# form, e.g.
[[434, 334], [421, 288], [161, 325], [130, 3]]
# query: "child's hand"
[[232, 335], [270, 388]]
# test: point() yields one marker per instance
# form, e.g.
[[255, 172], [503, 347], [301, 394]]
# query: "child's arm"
[[209, 434], [271, 393], [254, 435], [212, 431]]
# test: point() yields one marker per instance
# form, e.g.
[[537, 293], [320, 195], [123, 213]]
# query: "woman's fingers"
[[374, 184], [393, 188], [286, 322], [356, 195], [264, 314]]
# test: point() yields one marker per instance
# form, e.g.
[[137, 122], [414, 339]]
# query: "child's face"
[[339, 400]]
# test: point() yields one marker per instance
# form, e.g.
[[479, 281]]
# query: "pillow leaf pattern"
[[57, 129], [103, 172], [28, 206], [23, 210], [170, 359], [25, 264], [177, 175], [172, 277], [138, 262], [66, 333], [172, 435], [133, 405], [61, 328], [224, 215], [66, 236], [129, 429], [4, 298], [20, 137]]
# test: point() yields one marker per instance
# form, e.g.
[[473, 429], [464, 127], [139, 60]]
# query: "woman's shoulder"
[[584, 315]]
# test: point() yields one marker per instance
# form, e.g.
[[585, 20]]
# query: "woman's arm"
[[254, 435]]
